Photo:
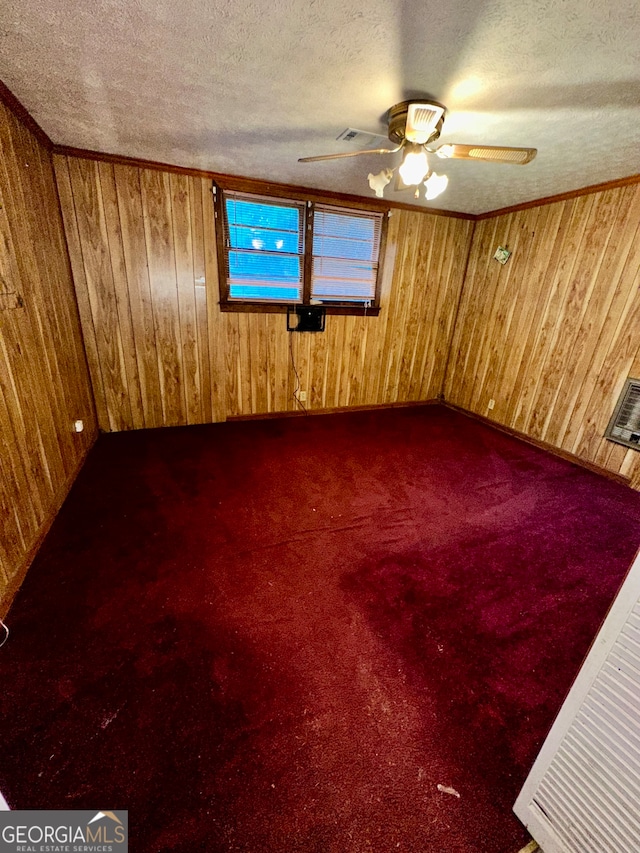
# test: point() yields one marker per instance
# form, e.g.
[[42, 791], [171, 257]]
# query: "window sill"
[[281, 308]]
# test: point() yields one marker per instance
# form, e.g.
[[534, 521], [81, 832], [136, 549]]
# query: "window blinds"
[[346, 248], [264, 247]]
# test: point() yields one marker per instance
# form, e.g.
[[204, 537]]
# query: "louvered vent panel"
[[424, 118], [624, 426], [591, 790]]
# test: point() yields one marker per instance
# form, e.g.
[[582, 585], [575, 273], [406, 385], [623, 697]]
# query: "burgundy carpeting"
[[284, 635]]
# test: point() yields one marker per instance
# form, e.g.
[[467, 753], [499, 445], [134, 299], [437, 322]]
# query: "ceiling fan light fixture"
[[412, 126], [379, 182], [446, 151], [415, 166], [422, 121], [434, 185]]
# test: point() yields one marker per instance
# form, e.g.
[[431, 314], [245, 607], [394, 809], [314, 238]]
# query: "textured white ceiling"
[[248, 86]]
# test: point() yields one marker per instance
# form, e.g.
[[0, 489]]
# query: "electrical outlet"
[[491, 404], [302, 396], [78, 425]]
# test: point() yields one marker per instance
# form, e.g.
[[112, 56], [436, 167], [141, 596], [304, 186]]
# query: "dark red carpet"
[[284, 635]]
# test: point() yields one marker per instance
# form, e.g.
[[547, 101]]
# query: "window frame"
[[282, 196]]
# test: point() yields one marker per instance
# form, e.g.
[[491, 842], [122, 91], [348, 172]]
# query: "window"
[[264, 249], [346, 248], [275, 253]]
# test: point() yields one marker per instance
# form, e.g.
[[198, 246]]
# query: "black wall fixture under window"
[[277, 252]]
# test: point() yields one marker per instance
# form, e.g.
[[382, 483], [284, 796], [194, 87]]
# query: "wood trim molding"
[[273, 188], [543, 445], [269, 190], [22, 114], [552, 199], [334, 410], [255, 185], [271, 308]]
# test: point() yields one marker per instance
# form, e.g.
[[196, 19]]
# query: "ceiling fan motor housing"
[[428, 111]]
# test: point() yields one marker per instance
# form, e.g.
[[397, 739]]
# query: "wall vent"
[[624, 426], [363, 139]]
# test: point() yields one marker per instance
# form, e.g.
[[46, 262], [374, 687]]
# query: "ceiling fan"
[[413, 125]]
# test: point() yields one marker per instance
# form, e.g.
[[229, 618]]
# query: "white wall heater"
[[583, 792]]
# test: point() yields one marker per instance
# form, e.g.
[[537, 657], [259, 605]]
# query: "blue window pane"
[[263, 239], [281, 269], [279, 294], [265, 246], [257, 214]]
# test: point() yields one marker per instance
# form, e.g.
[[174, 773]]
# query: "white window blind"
[[264, 248], [346, 250]]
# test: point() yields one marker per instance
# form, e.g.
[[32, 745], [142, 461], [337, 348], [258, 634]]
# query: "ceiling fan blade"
[[348, 154], [489, 153]]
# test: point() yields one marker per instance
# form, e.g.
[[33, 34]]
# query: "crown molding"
[[12, 103], [552, 199], [279, 189], [256, 185]]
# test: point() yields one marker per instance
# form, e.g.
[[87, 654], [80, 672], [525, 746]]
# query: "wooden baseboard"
[[543, 445], [16, 579], [333, 411]]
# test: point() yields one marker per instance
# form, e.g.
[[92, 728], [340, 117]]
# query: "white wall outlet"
[[78, 426], [302, 396], [491, 404]]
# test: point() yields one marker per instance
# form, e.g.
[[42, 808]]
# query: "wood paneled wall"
[[552, 335], [44, 384], [161, 352]]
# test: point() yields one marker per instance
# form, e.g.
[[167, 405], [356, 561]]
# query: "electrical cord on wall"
[[6, 635], [295, 371]]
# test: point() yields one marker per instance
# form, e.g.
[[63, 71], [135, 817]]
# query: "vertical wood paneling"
[[101, 293], [246, 370], [170, 356], [215, 320], [121, 290], [284, 345], [553, 334], [129, 198], [597, 320], [185, 279], [161, 258], [44, 383], [376, 357], [550, 336], [89, 335], [200, 299]]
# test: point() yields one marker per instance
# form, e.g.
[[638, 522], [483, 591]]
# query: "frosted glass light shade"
[[414, 166], [434, 185]]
